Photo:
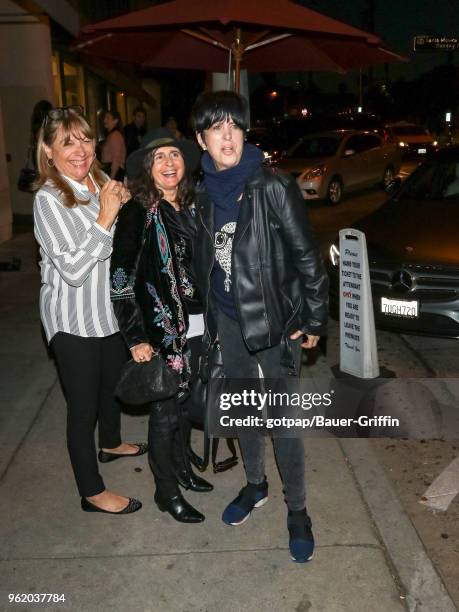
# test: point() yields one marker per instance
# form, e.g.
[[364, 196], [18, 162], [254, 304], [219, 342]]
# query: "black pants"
[[164, 445], [89, 369], [195, 346], [239, 362], [169, 431]]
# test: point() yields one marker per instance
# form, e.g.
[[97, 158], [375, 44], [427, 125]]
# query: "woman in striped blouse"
[[75, 209]]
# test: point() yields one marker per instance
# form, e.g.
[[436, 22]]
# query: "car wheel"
[[388, 176], [335, 191]]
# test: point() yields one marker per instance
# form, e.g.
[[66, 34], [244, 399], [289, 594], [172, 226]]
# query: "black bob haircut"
[[215, 106]]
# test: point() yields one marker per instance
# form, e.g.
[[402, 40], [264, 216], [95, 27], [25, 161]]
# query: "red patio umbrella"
[[275, 35]]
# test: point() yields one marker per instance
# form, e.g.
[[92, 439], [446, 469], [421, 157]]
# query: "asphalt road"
[[411, 465]]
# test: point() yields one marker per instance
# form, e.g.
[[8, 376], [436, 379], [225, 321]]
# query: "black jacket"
[[147, 284], [278, 278], [182, 227]]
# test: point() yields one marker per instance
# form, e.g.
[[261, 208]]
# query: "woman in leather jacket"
[[263, 286], [152, 290]]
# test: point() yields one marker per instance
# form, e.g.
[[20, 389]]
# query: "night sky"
[[396, 22]]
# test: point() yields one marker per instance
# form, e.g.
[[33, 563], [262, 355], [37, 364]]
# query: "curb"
[[425, 591], [424, 588]]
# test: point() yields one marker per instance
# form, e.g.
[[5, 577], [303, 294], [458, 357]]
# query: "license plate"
[[422, 151], [400, 308]]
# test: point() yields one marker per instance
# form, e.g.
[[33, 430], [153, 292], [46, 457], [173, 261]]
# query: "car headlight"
[[402, 144], [314, 173], [334, 255], [435, 143]]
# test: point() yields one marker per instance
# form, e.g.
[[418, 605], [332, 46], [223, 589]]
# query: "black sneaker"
[[250, 497], [301, 540]]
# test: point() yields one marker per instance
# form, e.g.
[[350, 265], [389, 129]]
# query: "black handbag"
[[149, 381], [27, 175], [211, 367]]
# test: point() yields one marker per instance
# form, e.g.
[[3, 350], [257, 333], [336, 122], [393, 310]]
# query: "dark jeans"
[[89, 369], [239, 362]]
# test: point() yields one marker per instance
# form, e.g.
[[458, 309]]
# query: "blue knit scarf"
[[225, 186]]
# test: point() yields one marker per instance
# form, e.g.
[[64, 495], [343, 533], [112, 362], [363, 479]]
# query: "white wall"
[[6, 216], [62, 12], [25, 78]]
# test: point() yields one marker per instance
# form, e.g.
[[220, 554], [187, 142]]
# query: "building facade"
[[37, 63]]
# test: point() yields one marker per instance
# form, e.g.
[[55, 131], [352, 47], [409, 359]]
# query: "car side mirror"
[[393, 186], [349, 152]]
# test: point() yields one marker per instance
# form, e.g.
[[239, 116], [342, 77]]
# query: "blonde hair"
[[73, 124]]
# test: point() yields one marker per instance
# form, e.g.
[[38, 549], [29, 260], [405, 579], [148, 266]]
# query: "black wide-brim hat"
[[162, 137]]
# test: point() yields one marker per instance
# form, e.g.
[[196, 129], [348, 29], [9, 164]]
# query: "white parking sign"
[[358, 352]]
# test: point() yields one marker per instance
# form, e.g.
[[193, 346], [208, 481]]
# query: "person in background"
[[152, 289], [136, 130], [75, 209], [172, 125], [261, 276], [40, 110], [113, 147]]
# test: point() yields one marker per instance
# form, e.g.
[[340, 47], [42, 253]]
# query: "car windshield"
[[321, 146], [433, 180], [260, 137], [409, 130]]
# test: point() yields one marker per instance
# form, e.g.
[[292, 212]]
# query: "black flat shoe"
[[105, 457], [188, 480], [179, 509], [133, 506]]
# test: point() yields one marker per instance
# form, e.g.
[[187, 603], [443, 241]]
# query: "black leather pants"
[[166, 453]]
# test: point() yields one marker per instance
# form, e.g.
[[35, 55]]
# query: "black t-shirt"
[[225, 220]]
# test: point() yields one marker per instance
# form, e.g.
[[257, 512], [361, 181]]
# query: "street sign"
[[436, 43], [358, 351]]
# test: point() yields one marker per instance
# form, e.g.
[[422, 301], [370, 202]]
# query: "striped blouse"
[[75, 265]]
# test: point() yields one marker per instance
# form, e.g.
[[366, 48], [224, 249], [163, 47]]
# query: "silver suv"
[[328, 164]]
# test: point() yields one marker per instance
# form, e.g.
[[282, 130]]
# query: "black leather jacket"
[[278, 277]]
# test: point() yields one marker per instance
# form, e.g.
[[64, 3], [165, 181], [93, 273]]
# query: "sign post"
[[435, 43], [358, 351]]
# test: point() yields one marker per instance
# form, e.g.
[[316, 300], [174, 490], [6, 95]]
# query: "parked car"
[[265, 140], [355, 121], [413, 253], [328, 164], [412, 140], [288, 131]]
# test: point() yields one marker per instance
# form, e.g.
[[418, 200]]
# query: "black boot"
[[162, 428], [185, 475], [189, 480], [178, 508]]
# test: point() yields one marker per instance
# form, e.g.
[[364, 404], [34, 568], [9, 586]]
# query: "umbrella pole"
[[238, 51], [237, 78]]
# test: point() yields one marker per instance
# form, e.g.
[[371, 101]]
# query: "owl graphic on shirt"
[[223, 248]]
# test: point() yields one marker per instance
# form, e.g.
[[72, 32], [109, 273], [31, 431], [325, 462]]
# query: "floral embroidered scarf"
[[145, 285]]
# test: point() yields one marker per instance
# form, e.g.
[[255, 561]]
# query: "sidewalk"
[[148, 562]]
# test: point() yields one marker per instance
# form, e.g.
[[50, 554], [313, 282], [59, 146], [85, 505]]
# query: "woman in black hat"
[[152, 290]]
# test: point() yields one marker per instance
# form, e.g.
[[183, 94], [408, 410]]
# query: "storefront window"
[[57, 78], [73, 84]]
